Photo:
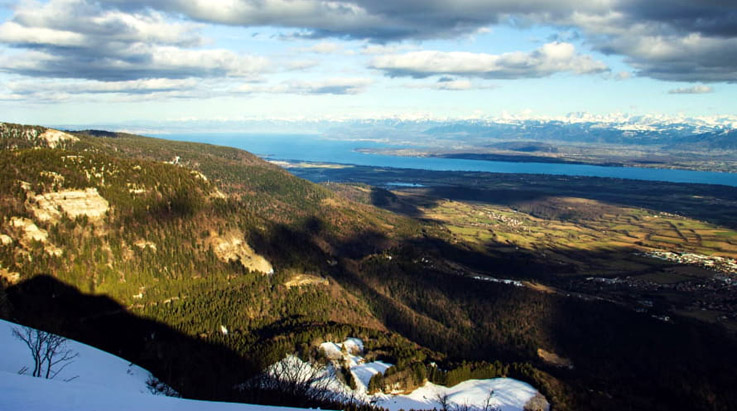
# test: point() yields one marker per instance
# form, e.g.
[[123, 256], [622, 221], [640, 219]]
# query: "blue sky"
[[152, 62]]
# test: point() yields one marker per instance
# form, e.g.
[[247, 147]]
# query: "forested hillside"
[[205, 264]]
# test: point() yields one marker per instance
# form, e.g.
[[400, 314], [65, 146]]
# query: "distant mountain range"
[[686, 133], [706, 132]]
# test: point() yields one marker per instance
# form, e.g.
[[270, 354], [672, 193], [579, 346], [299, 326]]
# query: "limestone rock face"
[[75, 203], [31, 232], [54, 138], [232, 247]]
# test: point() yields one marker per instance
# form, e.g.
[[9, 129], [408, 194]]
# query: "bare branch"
[[443, 399], [48, 351]]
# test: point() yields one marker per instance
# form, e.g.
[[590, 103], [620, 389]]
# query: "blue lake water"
[[314, 148]]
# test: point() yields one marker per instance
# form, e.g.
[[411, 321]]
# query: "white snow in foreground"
[[92, 366], [103, 382], [21, 392], [106, 382], [509, 394]]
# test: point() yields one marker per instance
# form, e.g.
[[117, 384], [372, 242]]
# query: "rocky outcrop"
[[74, 203], [55, 138], [232, 247]]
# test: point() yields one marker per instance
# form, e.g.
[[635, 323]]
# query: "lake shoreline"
[[312, 149]]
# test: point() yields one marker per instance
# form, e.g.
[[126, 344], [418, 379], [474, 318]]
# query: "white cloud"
[[691, 57], [140, 61], [14, 33], [325, 47], [117, 40], [697, 89], [95, 87], [80, 39], [685, 40], [80, 90], [378, 49], [549, 59], [336, 86]]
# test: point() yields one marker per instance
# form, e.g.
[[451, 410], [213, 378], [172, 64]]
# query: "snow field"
[[99, 381], [508, 394]]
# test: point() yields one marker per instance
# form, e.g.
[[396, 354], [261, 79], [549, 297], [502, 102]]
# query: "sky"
[[77, 62]]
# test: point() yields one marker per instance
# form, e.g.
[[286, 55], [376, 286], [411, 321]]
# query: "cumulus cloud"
[[682, 40], [698, 89], [381, 21], [675, 40], [692, 58], [378, 49], [336, 86], [623, 27], [66, 90], [549, 59], [80, 39]]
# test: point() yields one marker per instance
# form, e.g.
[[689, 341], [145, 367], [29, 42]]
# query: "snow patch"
[[334, 351], [92, 367], [103, 382], [364, 372], [508, 394], [498, 280], [20, 392]]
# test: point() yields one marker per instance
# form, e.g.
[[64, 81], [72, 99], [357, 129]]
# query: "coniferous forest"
[[149, 281]]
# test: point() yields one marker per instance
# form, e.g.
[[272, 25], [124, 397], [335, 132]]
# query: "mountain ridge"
[[401, 284]]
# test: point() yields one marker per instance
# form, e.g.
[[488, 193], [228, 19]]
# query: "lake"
[[316, 149]]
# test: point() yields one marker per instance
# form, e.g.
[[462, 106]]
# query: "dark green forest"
[[145, 282]]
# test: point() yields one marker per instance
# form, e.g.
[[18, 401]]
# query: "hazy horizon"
[[143, 63]]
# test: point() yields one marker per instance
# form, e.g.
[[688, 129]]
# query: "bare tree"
[[49, 352], [444, 400], [464, 407], [489, 403], [303, 379]]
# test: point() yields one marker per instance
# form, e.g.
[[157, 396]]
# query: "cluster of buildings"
[[720, 264]]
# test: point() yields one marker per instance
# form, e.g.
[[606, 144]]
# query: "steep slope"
[[87, 365], [92, 380], [162, 252], [206, 240]]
